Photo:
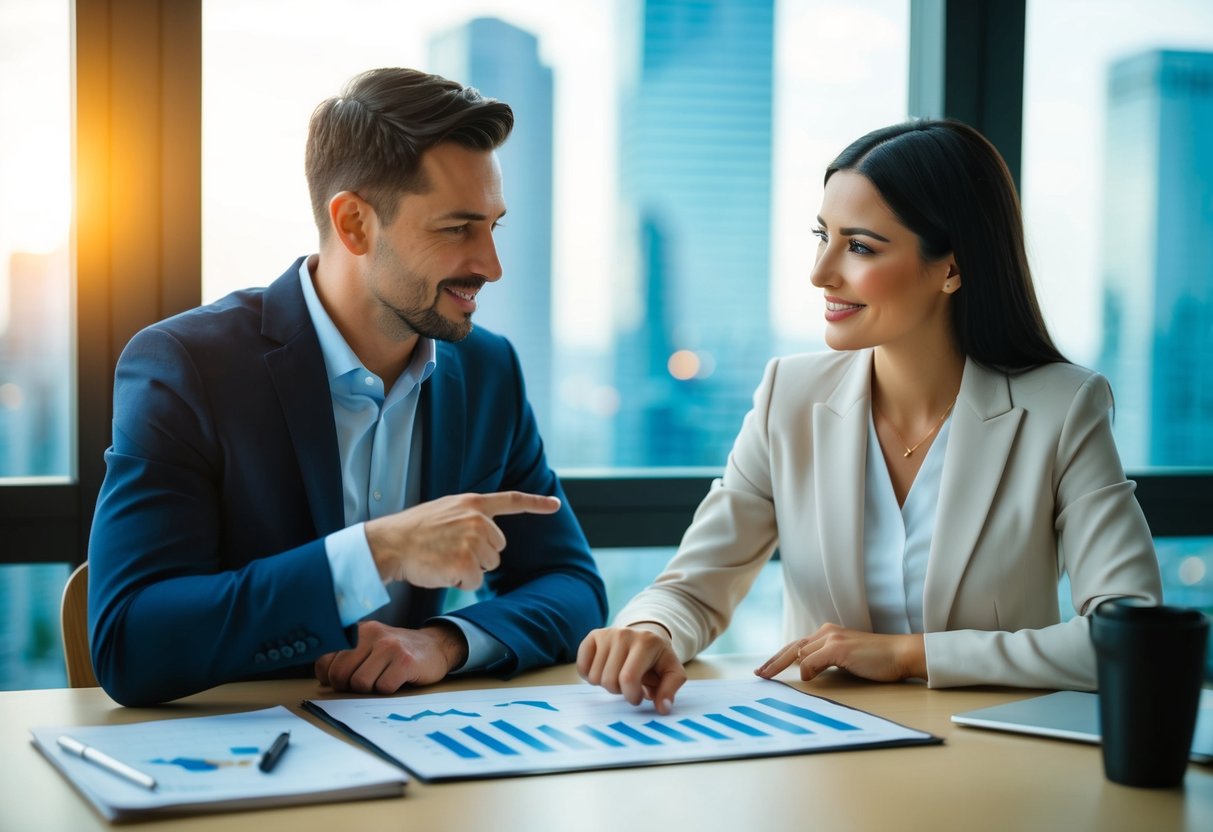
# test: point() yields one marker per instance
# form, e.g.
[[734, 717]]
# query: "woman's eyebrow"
[[855, 231]]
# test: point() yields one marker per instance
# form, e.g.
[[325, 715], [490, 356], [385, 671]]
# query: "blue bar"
[[662, 728], [703, 729], [773, 721], [736, 726], [451, 745], [601, 737], [561, 736], [498, 746], [629, 731], [518, 734], [805, 713]]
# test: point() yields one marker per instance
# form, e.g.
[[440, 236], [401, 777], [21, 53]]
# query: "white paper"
[[210, 763], [508, 731]]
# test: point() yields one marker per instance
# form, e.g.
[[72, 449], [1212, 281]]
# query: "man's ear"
[[952, 282], [352, 218]]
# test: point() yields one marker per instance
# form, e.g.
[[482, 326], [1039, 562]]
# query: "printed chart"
[[502, 732], [209, 763]]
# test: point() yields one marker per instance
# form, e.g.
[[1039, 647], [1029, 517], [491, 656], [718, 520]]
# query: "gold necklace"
[[918, 444]]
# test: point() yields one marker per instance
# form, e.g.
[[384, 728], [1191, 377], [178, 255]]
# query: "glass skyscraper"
[[502, 61], [1158, 261], [693, 310]]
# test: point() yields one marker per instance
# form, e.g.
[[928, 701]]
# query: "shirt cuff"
[[483, 650], [357, 587]]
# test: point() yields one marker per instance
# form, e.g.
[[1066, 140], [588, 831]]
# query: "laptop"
[[1072, 715]]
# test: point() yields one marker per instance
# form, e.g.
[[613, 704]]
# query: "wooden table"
[[978, 780]]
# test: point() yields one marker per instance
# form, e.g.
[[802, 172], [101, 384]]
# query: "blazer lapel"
[[443, 404], [984, 426], [297, 371], [840, 429]]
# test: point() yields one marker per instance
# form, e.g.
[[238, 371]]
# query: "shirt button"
[[273, 654], [300, 646], [287, 651], [377, 496], [370, 382]]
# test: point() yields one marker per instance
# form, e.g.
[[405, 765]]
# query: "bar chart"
[[482, 733]]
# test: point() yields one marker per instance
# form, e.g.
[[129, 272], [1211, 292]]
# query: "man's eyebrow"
[[855, 231], [471, 216]]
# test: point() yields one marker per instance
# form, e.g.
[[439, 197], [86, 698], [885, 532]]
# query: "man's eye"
[[456, 229]]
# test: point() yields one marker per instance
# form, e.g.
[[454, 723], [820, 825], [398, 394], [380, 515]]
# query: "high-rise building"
[[1158, 262], [502, 61], [693, 323], [35, 438]]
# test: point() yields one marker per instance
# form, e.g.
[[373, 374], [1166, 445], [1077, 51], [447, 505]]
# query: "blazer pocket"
[[486, 484]]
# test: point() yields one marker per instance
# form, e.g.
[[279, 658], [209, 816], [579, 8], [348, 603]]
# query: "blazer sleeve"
[[729, 540], [547, 594], [1105, 546], [168, 617]]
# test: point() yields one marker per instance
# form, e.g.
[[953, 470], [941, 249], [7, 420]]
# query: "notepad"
[[1072, 715], [506, 732], [209, 764]]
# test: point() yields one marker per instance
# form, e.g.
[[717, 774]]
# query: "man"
[[281, 454]]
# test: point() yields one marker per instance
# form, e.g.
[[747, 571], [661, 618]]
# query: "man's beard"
[[426, 321], [430, 323]]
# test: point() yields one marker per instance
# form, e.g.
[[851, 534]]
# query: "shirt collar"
[[339, 359]]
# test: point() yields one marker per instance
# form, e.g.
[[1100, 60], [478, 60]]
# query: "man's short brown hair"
[[370, 139]]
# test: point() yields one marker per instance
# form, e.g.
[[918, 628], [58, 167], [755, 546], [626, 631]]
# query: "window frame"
[[137, 110]]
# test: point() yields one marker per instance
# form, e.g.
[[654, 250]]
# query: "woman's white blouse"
[[897, 540]]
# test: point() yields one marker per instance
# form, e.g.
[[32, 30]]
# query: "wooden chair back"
[[73, 617]]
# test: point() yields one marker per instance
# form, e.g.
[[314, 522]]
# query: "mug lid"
[[1137, 610]]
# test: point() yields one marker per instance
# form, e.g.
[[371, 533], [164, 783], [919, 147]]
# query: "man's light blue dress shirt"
[[380, 474]]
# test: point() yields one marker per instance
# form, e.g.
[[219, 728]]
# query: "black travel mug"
[[1150, 662]]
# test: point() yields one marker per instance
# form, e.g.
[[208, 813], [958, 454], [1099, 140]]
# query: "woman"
[[926, 483]]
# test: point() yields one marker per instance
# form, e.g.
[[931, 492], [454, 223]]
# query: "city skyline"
[[693, 278], [502, 61], [1158, 280]]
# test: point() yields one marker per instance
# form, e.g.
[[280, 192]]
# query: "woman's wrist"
[[655, 627], [913, 659]]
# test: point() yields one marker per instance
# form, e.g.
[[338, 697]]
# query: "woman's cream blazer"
[[1032, 484]]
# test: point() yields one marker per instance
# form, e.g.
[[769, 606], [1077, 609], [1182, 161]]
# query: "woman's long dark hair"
[[950, 186]]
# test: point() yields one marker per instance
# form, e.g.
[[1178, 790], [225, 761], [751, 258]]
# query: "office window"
[[36, 314], [662, 178], [35, 216], [1118, 201]]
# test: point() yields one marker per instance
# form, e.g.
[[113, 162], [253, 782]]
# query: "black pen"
[[270, 758]]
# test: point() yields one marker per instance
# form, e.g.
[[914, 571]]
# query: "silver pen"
[[105, 761]]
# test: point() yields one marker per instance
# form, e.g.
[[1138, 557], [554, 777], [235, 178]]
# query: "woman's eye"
[[857, 247], [820, 234]]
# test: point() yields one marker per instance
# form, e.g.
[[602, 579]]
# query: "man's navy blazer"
[[207, 558]]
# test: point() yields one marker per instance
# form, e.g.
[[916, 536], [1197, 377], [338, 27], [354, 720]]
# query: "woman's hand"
[[881, 658], [637, 661]]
